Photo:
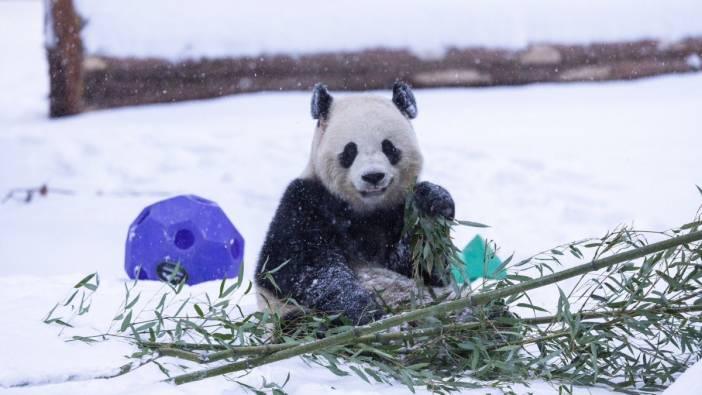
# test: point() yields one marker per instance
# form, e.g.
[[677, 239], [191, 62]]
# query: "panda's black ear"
[[403, 98], [321, 101]]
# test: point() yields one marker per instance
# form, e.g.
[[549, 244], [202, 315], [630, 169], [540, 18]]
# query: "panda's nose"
[[373, 178]]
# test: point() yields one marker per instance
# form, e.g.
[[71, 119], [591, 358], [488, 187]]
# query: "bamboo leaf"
[[672, 283], [126, 322], [133, 302], [48, 318], [71, 298], [85, 280], [359, 373], [373, 374], [531, 306], [198, 310], [473, 224]]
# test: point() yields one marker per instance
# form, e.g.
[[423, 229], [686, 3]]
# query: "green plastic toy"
[[474, 257]]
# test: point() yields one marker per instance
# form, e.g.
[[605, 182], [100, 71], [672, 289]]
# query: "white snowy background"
[[241, 27], [542, 164]]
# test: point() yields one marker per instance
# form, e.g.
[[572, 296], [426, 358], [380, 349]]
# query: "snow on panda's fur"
[[338, 229]]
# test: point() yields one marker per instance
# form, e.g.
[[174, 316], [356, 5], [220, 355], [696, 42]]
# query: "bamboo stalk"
[[169, 349], [182, 354], [459, 304], [189, 346]]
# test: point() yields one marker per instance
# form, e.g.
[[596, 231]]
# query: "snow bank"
[[689, 383], [219, 28]]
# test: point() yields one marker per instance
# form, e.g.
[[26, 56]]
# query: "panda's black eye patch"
[[393, 153], [347, 157]]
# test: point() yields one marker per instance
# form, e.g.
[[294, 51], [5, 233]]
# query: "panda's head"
[[364, 149]]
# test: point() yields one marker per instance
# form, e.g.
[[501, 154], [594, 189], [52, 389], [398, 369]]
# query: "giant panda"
[[336, 238]]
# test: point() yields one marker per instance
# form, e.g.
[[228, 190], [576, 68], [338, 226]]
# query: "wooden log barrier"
[[87, 81]]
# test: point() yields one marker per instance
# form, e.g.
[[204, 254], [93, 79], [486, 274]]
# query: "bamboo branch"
[[182, 354], [172, 350], [189, 346], [459, 304]]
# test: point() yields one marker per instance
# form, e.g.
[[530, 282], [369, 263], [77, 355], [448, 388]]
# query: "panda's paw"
[[434, 200]]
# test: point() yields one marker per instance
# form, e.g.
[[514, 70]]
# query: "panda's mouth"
[[375, 191]]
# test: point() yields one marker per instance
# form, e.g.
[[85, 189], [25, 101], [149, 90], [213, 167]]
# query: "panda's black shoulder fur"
[[317, 237]]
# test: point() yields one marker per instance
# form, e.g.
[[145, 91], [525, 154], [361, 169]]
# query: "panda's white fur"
[[366, 121]]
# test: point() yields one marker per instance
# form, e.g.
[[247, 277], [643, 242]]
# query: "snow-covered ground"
[[542, 164], [688, 382], [164, 28]]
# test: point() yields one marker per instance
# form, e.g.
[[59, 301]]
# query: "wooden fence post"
[[64, 50]]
